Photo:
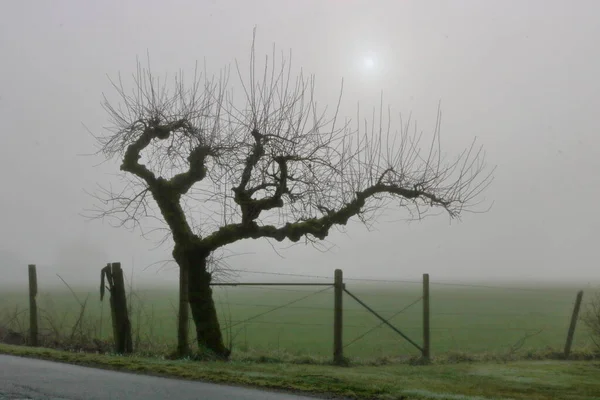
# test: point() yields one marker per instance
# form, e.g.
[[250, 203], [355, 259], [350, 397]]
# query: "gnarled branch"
[[317, 227]]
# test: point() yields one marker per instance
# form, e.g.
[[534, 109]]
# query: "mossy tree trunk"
[[193, 259]]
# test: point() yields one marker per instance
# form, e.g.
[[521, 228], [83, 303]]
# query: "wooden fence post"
[[426, 319], [573, 324], [118, 307], [33, 319], [338, 286], [107, 271], [124, 342]]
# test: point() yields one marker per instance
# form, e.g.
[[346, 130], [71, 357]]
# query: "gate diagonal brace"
[[359, 301]]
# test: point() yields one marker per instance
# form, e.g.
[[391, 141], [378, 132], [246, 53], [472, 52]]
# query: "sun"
[[369, 62]]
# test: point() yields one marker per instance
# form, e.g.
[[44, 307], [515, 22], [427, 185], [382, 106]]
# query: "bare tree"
[[273, 165]]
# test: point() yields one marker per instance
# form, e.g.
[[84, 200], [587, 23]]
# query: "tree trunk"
[[204, 312]]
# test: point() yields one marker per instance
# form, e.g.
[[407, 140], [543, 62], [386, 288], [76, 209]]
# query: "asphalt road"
[[30, 379]]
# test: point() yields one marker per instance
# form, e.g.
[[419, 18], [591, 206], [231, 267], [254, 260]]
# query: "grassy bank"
[[540, 380]]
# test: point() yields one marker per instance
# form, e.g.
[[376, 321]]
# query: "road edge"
[[132, 365]]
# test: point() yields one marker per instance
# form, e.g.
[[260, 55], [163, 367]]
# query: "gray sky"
[[521, 76]]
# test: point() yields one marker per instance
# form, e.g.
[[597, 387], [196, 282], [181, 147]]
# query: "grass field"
[[297, 321], [288, 330], [531, 380]]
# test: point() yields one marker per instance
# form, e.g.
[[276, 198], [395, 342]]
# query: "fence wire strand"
[[276, 308], [360, 279]]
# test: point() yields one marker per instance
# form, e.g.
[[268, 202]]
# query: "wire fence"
[[465, 317]]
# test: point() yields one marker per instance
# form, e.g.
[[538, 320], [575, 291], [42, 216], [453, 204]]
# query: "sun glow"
[[369, 62]]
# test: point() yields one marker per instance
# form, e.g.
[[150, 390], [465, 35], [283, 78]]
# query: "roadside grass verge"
[[539, 380]]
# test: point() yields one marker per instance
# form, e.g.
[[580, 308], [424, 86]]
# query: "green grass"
[[464, 319], [293, 343], [538, 380]]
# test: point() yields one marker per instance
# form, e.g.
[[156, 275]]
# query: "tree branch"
[[183, 181], [167, 193], [252, 208], [133, 154], [317, 227], [153, 130]]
